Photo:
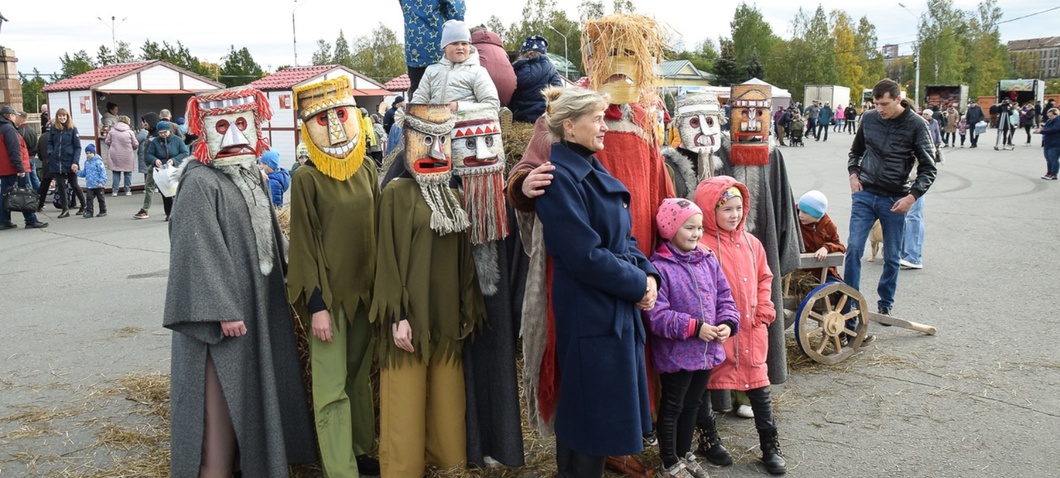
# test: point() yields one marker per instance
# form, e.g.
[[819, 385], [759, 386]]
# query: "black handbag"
[[21, 199]]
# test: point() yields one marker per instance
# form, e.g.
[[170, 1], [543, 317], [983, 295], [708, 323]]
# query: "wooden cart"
[[820, 324]]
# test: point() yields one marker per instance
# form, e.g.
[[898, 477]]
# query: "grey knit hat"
[[454, 31]]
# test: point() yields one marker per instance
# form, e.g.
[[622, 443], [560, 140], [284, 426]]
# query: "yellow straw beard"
[[332, 167]]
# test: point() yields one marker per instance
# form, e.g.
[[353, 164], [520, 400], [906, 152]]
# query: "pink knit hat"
[[672, 214]]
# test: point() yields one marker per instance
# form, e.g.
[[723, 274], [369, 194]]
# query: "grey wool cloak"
[[214, 276]]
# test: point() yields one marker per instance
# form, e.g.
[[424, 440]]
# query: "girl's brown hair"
[[69, 124]]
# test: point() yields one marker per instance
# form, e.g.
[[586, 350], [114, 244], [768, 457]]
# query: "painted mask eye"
[[441, 140], [322, 119], [489, 141], [694, 122], [222, 126], [710, 122], [428, 140], [341, 114], [241, 123], [470, 143]]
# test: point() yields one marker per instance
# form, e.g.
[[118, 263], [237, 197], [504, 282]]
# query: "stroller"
[[797, 128]]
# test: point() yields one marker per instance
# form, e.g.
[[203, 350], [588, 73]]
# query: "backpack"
[[70, 198]]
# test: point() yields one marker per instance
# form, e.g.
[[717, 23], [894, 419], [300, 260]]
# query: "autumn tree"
[[848, 54], [873, 66]]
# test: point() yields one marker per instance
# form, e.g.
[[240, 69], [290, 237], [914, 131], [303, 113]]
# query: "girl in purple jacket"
[[693, 315]]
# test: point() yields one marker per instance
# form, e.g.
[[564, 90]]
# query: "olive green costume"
[[333, 249]]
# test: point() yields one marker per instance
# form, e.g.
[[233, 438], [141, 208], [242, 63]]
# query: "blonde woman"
[[64, 149]]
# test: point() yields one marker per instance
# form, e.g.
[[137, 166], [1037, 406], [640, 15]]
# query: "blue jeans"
[[1052, 160], [865, 209], [117, 180], [913, 240], [5, 215]]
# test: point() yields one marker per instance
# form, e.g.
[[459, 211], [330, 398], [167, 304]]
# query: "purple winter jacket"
[[693, 288]]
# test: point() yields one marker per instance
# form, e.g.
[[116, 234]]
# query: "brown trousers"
[[421, 416]]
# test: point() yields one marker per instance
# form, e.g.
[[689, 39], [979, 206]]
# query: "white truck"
[[835, 95], [1021, 91]]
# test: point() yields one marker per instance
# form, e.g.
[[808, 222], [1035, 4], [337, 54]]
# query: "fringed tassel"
[[484, 203], [488, 272]]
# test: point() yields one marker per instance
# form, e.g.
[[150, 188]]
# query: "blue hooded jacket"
[[423, 28], [279, 182], [532, 75]]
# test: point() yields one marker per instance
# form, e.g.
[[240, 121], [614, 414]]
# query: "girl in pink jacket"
[[723, 200]]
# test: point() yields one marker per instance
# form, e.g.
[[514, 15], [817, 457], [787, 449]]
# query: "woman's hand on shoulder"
[[539, 178]]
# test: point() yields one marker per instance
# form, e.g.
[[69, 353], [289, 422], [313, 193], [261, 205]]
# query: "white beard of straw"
[[484, 202], [247, 177], [446, 214]]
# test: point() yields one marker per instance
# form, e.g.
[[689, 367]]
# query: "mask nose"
[[482, 151], [336, 130], [437, 151]]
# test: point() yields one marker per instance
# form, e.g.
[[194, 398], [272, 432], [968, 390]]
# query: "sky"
[[40, 36]]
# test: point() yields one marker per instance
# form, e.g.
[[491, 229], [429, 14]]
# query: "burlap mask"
[[428, 159], [621, 56], [331, 127], [478, 158]]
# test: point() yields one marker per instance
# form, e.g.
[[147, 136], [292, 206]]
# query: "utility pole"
[[566, 66], [113, 27]]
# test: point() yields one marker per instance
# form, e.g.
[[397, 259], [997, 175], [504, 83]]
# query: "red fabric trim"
[[548, 381], [749, 154]]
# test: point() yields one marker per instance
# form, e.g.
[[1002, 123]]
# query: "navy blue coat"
[[64, 149], [599, 276], [531, 76]]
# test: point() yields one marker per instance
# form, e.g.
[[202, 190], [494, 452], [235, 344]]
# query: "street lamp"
[[113, 26], [294, 35], [566, 66], [916, 54]]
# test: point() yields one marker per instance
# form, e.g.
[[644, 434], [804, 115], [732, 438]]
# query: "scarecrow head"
[[622, 54]]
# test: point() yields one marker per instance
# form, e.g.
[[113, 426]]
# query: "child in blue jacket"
[[279, 178], [95, 175]]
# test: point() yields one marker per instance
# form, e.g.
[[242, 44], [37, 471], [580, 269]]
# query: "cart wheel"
[[820, 323]]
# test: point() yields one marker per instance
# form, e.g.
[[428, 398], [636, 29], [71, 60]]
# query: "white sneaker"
[[693, 466], [745, 411], [114, 193], [679, 470], [128, 192], [909, 265]]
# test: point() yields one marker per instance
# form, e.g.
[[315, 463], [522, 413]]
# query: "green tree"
[[542, 17], [32, 97], [942, 55], [75, 65], [988, 57], [104, 56], [323, 54], [703, 57], [726, 70], [754, 68], [124, 53], [751, 34], [624, 6], [495, 25], [379, 56], [239, 67], [343, 56], [177, 55], [590, 9]]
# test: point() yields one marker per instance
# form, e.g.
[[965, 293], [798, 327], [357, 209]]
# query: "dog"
[[876, 239]]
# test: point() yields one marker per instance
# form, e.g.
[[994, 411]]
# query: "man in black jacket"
[[972, 117], [891, 140], [388, 117]]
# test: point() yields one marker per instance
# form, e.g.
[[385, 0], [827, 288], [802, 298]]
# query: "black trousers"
[[97, 194], [415, 75], [572, 464], [682, 397], [761, 404]]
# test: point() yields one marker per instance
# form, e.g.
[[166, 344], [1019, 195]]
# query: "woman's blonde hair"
[[125, 119], [570, 104], [1053, 111], [69, 120]]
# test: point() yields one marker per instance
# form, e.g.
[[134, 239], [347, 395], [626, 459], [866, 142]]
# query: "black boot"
[[710, 446], [771, 455]]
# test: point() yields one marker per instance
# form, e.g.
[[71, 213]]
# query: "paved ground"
[[81, 307]]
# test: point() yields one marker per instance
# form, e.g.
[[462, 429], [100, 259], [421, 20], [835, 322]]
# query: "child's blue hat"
[[90, 149], [814, 203]]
